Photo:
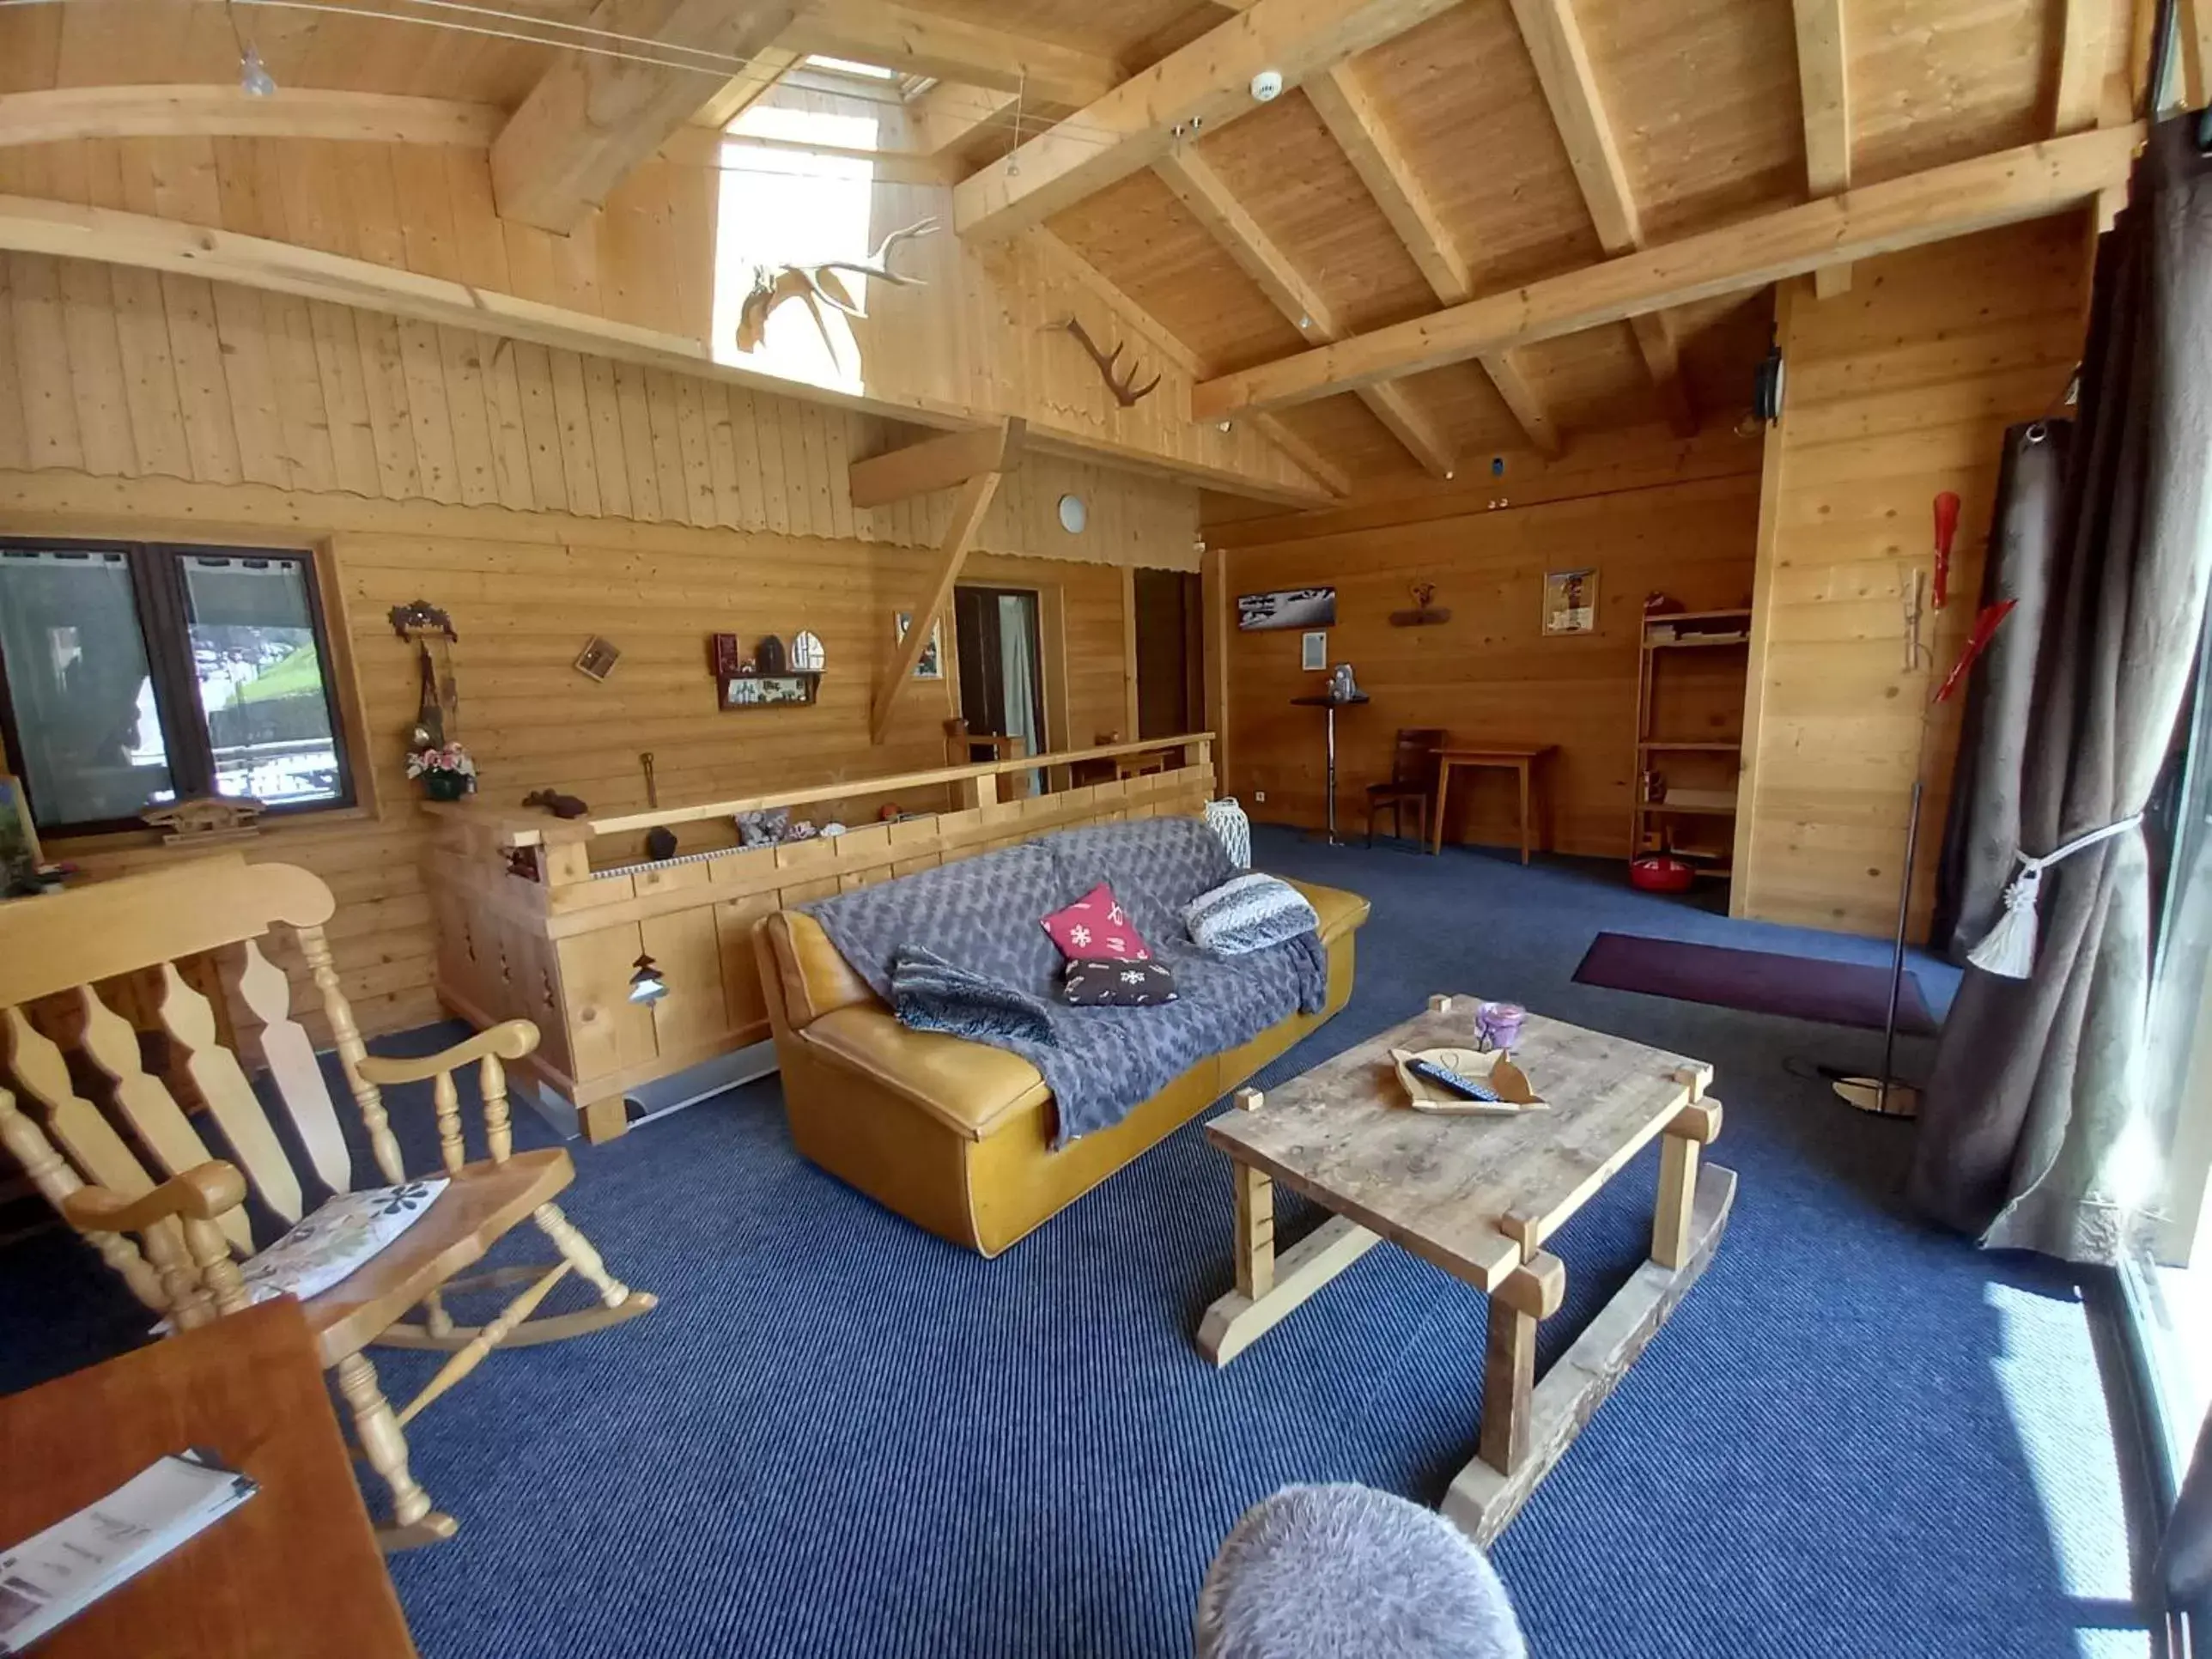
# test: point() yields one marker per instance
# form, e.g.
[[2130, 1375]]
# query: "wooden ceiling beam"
[[951, 113], [1553, 36], [1208, 197], [590, 120], [1824, 82], [918, 41], [1203, 87], [2086, 47], [2032, 181], [938, 463], [65, 113], [1349, 111], [741, 92], [1324, 472]]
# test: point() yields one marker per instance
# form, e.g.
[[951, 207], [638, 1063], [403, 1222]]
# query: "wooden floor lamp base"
[[1871, 1094]]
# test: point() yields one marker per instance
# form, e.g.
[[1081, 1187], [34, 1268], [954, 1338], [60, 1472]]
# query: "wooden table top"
[[292, 1571], [1474, 1195], [1503, 752]]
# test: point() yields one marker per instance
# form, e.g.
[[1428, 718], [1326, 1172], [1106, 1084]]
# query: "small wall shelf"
[[765, 690]]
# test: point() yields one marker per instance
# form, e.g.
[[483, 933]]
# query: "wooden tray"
[[1495, 1068]]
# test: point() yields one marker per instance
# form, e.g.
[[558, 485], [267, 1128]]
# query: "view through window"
[[138, 674]]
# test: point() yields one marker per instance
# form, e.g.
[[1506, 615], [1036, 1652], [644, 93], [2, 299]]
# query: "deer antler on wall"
[[809, 284], [1127, 392]]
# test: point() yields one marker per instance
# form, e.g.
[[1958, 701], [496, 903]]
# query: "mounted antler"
[[1126, 390], [809, 284]]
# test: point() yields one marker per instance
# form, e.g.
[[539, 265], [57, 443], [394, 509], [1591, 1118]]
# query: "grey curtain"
[[1982, 833], [2036, 1130], [2184, 1560]]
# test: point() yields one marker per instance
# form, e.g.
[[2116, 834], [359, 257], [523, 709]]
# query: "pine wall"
[[541, 498]]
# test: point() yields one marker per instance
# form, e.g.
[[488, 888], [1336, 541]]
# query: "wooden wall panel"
[[1899, 389], [977, 335], [1680, 522], [124, 374], [525, 590]]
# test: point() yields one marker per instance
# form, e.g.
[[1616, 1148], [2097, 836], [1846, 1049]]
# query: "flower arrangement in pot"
[[448, 772]]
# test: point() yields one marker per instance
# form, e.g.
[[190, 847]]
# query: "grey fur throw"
[[928, 994], [1348, 1572], [980, 916]]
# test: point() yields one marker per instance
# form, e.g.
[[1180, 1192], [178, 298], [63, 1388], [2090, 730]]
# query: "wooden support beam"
[[2032, 181], [2086, 47], [949, 115], [1663, 356], [2194, 23], [968, 510], [741, 92], [1554, 38], [590, 120], [1203, 87], [228, 112], [1206, 194], [920, 41], [1824, 88], [934, 464], [1349, 111]]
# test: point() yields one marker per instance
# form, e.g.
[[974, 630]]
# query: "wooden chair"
[[1118, 766], [55, 952], [1412, 773]]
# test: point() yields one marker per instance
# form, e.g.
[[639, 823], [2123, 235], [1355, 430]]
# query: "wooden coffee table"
[[1478, 1197]]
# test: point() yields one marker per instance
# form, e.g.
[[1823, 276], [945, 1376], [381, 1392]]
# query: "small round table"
[[1331, 704]]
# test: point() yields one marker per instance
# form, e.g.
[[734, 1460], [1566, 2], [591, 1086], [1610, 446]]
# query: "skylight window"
[[847, 66]]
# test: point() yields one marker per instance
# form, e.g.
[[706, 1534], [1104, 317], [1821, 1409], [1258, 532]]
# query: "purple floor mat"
[[1758, 982]]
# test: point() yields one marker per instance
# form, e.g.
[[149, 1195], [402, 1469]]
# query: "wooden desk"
[[292, 1571], [1517, 758]]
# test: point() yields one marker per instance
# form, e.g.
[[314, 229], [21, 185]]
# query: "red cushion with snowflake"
[[1096, 927]]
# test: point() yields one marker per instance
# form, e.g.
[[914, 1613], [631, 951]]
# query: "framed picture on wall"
[[1313, 652], [1570, 601], [931, 664], [1289, 607]]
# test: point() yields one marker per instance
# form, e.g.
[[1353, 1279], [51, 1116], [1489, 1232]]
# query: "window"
[[133, 674]]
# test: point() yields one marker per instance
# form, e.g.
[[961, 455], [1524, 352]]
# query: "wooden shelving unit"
[[1694, 774]]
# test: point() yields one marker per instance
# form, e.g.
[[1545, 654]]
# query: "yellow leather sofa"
[[954, 1135]]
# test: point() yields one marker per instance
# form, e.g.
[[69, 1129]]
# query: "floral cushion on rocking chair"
[[337, 1238]]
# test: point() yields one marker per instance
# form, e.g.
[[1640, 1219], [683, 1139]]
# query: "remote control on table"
[[1466, 1087]]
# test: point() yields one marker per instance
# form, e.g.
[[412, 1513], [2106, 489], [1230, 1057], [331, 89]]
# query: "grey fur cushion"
[[1347, 1572], [1247, 914]]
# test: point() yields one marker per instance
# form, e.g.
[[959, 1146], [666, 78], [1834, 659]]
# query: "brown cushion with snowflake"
[[1095, 928], [1117, 984]]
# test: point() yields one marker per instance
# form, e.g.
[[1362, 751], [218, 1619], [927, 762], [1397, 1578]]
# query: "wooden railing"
[[978, 783], [529, 928]]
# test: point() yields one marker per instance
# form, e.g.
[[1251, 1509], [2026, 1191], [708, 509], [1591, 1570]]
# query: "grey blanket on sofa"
[[981, 917]]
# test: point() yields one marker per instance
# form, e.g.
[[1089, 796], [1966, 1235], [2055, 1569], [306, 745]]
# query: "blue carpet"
[[840, 1437]]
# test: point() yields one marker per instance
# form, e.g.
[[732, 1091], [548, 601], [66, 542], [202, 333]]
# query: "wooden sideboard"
[[545, 918]]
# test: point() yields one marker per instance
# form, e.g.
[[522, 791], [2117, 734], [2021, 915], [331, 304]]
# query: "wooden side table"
[[1518, 758], [280, 1575]]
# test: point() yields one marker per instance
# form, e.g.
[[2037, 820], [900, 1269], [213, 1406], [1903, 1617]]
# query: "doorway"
[[995, 635], [1171, 654]]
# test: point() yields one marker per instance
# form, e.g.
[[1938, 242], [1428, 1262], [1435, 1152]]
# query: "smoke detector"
[[1267, 86]]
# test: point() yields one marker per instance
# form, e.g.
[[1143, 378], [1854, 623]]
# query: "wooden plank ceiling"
[[1479, 147]]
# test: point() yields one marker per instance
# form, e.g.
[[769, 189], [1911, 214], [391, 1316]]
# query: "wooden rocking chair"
[[56, 951]]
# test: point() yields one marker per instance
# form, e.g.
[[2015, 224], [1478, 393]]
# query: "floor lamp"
[[1882, 1093]]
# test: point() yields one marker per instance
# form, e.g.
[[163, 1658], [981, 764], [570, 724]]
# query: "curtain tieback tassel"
[[2008, 948]]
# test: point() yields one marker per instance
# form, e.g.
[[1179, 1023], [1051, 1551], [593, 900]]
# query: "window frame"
[[163, 603]]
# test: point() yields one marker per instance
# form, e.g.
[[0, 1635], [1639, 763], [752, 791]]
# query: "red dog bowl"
[[1660, 875]]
